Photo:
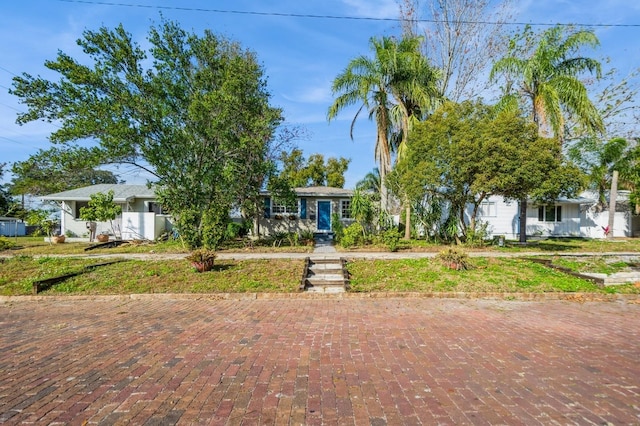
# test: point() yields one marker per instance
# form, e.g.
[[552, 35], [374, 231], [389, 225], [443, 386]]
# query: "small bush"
[[352, 235], [5, 243], [391, 238], [478, 237], [454, 258], [337, 227]]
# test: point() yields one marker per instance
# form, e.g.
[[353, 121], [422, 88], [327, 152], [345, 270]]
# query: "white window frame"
[[283, 209], [488, 209], [342, 209], [557, 212]]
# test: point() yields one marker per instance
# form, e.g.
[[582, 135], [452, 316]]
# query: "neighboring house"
[[141, 218], [12, 227], [313, 211], [577, 217]]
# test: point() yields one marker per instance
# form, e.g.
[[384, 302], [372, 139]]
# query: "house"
[[314, 210], [141, 218], [576, 217]]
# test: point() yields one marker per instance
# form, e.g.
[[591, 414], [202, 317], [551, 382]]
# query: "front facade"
[[577, 217], [315, 209], [141, 216]]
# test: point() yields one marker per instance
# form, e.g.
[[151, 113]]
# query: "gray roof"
[[121, 193], [320, 191]]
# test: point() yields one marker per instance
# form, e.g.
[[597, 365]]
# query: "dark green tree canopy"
[[192, 110], [56, 170], [301, 172], [466, 152], [5, 199]]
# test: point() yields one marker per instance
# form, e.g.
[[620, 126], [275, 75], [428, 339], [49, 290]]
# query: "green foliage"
[[235, 229], [299, 172], [391, 238], [100, 208], [395, 86], [467, 152], [336, 226], [598, 159], [546, 70], [353, 235], [454, 258], [363, 209], [202, 255], [42, 219], [193, 110], [5, 199], [6, 243], [336, 168], [477, 236], [306, 235], [57, 170]]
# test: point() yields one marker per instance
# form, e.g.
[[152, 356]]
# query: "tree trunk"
[[523, 220], [612, 203], [407, 221], [384, 193]]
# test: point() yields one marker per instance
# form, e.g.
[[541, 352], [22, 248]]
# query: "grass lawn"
[[18, 273], [488, 275], [32, 246]]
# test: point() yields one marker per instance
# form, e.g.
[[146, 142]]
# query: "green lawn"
[[487, 275]]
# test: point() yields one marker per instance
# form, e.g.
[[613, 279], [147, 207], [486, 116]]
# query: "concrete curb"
[[524, 297]]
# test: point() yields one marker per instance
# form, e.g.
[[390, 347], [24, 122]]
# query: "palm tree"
[[370, 182], [393, 86], [545, 72]]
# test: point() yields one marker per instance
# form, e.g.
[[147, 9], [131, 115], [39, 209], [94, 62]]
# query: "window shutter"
[[559, 213], [267, 207], [303, 208], [541, 214]]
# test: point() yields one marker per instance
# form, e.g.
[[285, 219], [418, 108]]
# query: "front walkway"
[[161, 360]]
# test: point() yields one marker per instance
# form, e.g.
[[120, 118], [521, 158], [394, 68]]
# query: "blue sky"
[[301, 56]]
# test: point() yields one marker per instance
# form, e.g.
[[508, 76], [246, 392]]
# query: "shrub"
[[477, 237], [391, 238], [337, 227], [5, 243], [352, 235], [454, 258]]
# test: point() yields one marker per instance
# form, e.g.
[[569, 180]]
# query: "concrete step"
[[325, 275]]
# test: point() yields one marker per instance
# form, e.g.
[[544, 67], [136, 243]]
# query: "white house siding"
[[78, 227], [501, 217], [142, 226], [593, 223], [578, 220], [569, 226]]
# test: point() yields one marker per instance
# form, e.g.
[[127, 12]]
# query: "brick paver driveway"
[[319, 361]]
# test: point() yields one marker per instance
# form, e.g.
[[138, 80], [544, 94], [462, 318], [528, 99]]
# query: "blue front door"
[[324, 215]]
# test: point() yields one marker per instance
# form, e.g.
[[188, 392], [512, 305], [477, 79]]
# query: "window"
[[283, 209], [488, 209], [156, 208], [345, 209], [79, 205], [550, 214]]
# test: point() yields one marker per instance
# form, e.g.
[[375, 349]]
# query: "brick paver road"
[[163, 360]]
